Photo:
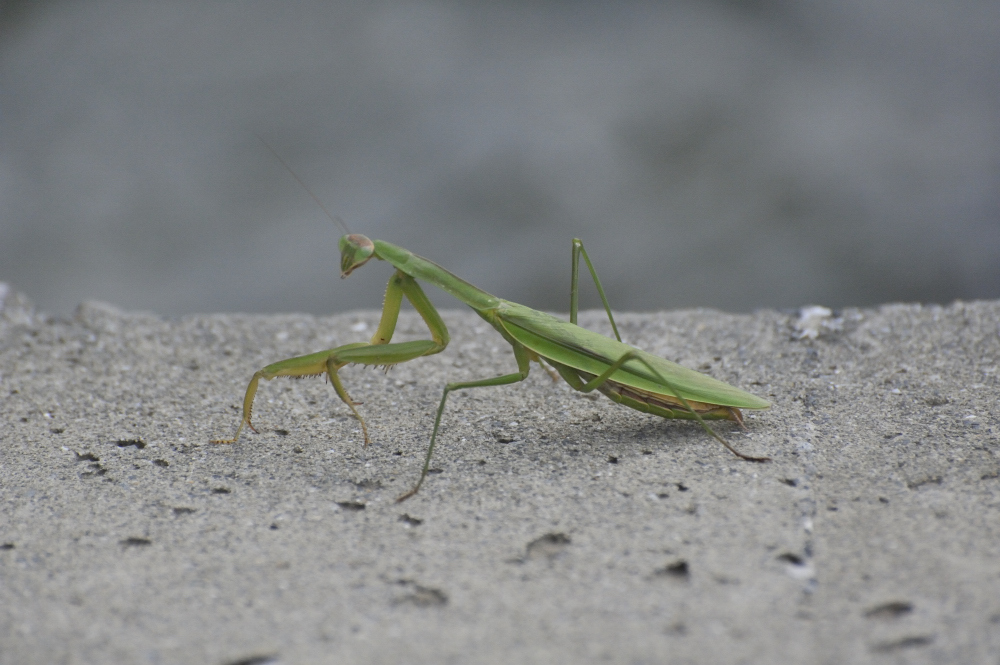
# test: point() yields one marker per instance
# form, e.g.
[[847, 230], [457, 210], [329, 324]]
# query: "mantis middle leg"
[[523, 366], [574, 291]]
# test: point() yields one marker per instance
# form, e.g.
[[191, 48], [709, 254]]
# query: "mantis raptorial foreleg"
[[378, 351]]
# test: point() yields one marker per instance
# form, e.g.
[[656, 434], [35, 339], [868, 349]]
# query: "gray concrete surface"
[[559, 528]]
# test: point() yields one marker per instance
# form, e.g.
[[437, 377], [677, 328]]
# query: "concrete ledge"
[[559, 528]]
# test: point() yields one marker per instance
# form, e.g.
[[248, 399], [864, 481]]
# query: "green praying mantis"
[[586, 360]]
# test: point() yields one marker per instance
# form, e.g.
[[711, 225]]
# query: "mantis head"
[[355, 251]]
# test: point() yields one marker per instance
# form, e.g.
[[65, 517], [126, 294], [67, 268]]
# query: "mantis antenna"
[[315, 198]]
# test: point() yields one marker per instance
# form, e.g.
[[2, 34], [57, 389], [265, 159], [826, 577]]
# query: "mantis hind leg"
[[578, 384]]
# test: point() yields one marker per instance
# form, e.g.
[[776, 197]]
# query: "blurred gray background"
[[733, 154]]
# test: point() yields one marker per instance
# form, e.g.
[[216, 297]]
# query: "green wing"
[[590, 352]]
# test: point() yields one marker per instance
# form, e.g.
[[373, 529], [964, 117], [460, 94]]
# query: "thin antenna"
[[315, 198]]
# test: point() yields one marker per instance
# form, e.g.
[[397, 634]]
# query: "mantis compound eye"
[[355, 250]]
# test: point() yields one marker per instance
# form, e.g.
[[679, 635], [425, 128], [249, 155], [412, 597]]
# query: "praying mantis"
[[586, 360]]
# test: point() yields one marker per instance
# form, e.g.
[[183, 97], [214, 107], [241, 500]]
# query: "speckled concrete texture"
[[556, 527]]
